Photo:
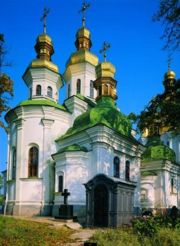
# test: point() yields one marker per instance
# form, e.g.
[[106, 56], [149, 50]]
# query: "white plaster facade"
[[41, 122], [103, 145], [160, 185]]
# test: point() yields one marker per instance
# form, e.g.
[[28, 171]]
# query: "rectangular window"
[[60, 183]]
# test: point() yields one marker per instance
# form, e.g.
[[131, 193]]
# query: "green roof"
[[86, 99], [148, 173], [42, 102], [73, 147], [156, 150], [104, 113]]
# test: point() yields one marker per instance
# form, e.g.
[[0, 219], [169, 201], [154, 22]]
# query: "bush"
[[167, 237], [115, 237], [144, 227]]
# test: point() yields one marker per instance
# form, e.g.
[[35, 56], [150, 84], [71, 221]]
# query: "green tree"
[[6, 84], [169, 15], [162, 111]]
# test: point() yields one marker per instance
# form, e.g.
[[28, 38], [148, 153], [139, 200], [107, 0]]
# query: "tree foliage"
[[163, 111], [6, 84], [169, 15]]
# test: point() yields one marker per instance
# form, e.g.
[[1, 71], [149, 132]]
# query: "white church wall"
[[83, 71], [102, 159], [45, 78], [40, 126], [34, 188]]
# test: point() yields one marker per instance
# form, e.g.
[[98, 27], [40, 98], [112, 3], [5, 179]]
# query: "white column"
[[19, 163], [47, 142]]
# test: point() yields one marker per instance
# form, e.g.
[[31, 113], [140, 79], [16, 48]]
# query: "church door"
[[101, 206]]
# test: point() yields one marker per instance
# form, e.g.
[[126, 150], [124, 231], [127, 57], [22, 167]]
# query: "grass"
[[126, 237], [17, 232]]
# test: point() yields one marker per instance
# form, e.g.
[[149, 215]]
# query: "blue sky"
[[136, 47]]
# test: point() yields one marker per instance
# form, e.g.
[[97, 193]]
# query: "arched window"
[[30, 93], [14, 163], [60, 183], [172, 185], [100, 90], [78, 87], [127, 171], [105, 89], [69, 90], [33, 162], [116, 167], [91, 89], [38, 90], [144, 195], [49, 91]]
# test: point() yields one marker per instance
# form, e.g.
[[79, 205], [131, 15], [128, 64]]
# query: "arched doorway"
[[101, 206]]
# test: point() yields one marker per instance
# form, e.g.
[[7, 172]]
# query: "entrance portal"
[[101, 206]]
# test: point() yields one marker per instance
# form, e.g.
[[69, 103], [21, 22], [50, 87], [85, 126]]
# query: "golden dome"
[[83, 41], [44, 47], [105, 83], [83, 32], [169, 75], [44, 38], [105, 69]]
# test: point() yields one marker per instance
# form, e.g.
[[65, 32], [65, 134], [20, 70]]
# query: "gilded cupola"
[[169, 80], [42, 75], [105, 83], [83, 39], [44, 47]]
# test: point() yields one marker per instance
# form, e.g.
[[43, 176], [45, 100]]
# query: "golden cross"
[[104, 49], [43, 19], [83, 11]]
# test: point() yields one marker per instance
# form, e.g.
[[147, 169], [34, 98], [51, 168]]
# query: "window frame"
[[33, 161], [127, 170], [49, 91], [91, 89], [78, 86], [116, 167], [38, 90], [14, 161]]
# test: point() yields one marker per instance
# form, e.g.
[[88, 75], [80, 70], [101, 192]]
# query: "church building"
[[85, 145], [160, 165]]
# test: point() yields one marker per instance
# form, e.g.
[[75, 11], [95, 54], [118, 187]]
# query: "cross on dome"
[[104, 49], [43, 19], [83, 9]]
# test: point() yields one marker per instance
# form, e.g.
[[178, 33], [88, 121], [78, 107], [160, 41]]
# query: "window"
[[60, 183], [105, 89], [91, 89], [30, 93], [33, 162], [100, 90], [127, 171], [49, 91], [38, 90], [144, 195], [69, 90], [116, 167], [14, 163], [172, 185], [78, 87]]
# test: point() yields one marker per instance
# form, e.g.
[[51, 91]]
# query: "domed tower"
[[80, 67], [169, 80], [42, 75]]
